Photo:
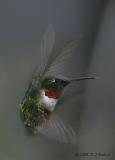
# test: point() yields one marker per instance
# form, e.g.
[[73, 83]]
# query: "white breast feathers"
[[49, 103]]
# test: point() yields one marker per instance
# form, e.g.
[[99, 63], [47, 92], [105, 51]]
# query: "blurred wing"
[[61, 58], [55, 129], [51, 64], [47, 43]]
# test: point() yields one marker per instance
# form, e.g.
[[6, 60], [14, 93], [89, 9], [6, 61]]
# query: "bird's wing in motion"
[[56, 129], [51, 63]]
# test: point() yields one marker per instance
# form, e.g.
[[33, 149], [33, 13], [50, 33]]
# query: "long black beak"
[[81, 78], [66, 80]]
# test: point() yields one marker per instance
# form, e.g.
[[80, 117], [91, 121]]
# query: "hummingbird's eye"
[[56, 81]]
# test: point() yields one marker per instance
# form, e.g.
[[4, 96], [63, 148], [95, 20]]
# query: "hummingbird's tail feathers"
[[56, 130]]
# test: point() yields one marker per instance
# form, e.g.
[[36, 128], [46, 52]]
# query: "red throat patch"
[[52, 93]]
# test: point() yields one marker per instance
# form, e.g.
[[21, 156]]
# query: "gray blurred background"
[[90, 109]]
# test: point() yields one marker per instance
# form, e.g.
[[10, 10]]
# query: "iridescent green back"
[[32, 109]]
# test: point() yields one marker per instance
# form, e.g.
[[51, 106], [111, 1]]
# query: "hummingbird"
[[45, 90]]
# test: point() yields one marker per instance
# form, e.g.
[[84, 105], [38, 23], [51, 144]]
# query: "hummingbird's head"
[[54, 83], [53, 86]]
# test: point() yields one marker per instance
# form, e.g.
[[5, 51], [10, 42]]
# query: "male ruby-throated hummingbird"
[[46, 88]]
